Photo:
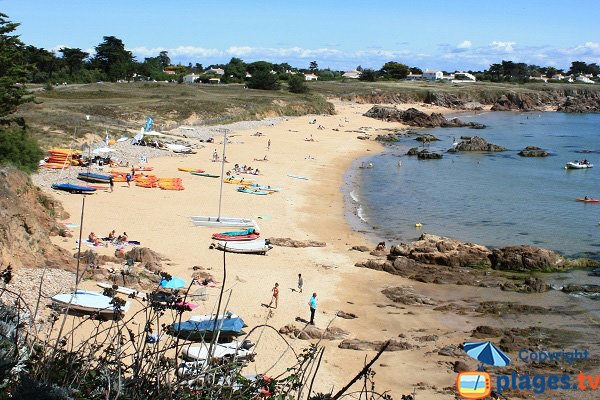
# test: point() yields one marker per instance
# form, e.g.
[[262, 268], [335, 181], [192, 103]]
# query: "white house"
[[190, 78], [351, 74], [414, 77], [310, 77], [214, 80], [558, 77], [584, 79], [432, 74], [215, 71]]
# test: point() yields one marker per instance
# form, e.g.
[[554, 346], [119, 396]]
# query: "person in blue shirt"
[[312, 303]]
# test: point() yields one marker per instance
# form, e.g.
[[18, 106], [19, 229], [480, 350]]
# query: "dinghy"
[[199, 352], [223, 222], [260, 246], [84, 301], [237, 238], [91, 177], [227, 329], [244, 189], [578, 165], [67, 187]]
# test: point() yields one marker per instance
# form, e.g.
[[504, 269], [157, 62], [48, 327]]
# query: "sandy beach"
[[305, 209]]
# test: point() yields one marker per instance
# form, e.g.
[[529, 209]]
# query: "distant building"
[[215, 71], [463, 77], [191, 78], [310, 77], [539, 78], [351, 74], [214, 80], [414, 77], [558, 77], [432, 74], [169, 72], [584, 79]]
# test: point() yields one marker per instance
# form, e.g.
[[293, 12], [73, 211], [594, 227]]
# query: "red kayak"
[[588, 200], [240, 238]]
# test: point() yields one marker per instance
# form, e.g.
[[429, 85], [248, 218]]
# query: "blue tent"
[[202, 330], [173, 283], [486, 353]]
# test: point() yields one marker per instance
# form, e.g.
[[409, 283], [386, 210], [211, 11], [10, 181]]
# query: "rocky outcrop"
[[426, 138], [346, 315], [433, 249], [148, 258], [288, 242], [574, 104], [28, 220], [312, 332], [517, 102], [376, 345], [414, 117], [475, 143], [533, 151], [527, 258], [423, 154], [406, 295]]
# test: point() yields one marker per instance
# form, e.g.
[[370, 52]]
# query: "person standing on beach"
[[300, 283], [128, 177], [111, 183], [312, 303], [275, 295], [269, 145]]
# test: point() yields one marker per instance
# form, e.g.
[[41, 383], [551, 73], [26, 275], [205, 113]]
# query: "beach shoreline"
[[313, 209]]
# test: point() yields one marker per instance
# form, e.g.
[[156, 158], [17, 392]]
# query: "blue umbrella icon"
[[486, 353], [173, 283]]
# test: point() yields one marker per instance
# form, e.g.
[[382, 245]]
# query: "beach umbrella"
[[486, 353], [173, 283]]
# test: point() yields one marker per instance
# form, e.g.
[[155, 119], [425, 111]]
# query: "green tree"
[[13, 69], [297, 84], [313, 66], [263, 79], [235, 70], [17, 147], [112, 58], [74, 59], [368, 75], [163, 58], [416, 70], [252, 67], [394, 70]]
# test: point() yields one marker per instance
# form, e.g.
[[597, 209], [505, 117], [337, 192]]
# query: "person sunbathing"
[[112, 235], [92, 237]]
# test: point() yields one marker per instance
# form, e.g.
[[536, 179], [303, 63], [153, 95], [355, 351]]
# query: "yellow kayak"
[[186, 169], [238, 181]]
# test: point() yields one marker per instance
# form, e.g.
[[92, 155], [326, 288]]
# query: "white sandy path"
[[311, 209]]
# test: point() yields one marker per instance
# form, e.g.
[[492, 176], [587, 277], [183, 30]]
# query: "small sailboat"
[[260, 246], [89, 302]]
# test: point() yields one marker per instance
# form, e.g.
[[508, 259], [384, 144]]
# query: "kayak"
[[91, 177], [67, 187], [244, 189], [298, 177], [248, 231], [186, 169], [588, 200], [257, 186], [204, 174], [238, 238], [238, 181]]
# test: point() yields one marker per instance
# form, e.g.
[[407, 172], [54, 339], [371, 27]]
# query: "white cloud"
[[464, 45], [507, 47]]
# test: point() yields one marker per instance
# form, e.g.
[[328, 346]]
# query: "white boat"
[[199, 351], [297, 177], [578, 165], [86, 301], [223, 222], [260, 246], [123, 290], [208, 317]]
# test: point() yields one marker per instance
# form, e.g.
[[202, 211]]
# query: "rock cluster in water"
[[475, 143], [414, 117], [533, 151]]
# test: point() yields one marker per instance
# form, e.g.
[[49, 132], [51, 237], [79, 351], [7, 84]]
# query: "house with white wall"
[[191, 78], [351, 74], [432, 74], [310, 77]]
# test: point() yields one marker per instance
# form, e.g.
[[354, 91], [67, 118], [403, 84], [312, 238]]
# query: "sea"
[[494, 199]]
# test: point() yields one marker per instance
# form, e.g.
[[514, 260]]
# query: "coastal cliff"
[[28, 217]]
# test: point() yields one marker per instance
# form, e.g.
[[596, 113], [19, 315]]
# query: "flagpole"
[[222, 173]]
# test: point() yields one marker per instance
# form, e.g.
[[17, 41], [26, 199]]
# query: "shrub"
[[18, 148], [297, 84]]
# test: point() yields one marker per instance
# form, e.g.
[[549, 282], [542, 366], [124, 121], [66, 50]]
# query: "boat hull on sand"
[[227, 329], [67, 187], [95, 178], [88, 302], [251, 247], [223, 222]]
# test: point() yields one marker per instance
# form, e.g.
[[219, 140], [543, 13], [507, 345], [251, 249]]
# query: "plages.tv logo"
[[478, 385]]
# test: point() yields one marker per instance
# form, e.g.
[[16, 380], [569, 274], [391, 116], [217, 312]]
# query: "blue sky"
[[448, 35]]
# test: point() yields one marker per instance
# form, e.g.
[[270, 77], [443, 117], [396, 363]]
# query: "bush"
[[19, 149], [263, 79], [297, 84]]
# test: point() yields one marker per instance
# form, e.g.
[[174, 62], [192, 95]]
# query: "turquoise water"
[[494, 199]]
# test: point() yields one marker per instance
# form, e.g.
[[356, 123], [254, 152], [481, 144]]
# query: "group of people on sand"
[[111, 238], [312, 302], [245, 170]]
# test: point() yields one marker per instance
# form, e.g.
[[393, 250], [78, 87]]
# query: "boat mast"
[[222, 172]]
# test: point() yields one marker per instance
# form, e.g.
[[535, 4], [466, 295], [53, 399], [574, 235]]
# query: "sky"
[[446, 35]]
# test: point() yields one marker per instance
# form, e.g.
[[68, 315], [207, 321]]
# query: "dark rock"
[[426, 138], [413, 151], [357, 344], [581, 289], [460, 366], [581, 104], [378, 253], [432, 249], [504, 307], [312, 332], [426, 155], [414, 117], [427, 338], [288, 242], [475, 143], [517, 102], [485, 331], [406, 295], [527, 258], [346, 315], [451, 351], [532, 151], [360, 248], [148, 258]]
